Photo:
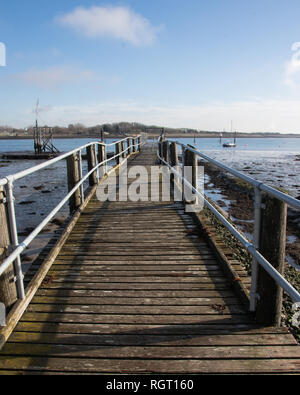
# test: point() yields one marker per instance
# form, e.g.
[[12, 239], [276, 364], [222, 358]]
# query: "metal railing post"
[[101, 159], [183, 154], [81, 175], [96, 162], [14, 238]]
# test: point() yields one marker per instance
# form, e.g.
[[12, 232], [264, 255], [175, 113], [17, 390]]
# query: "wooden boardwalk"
[[134, 291]]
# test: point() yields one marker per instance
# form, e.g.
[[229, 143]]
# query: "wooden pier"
[[137, 289]]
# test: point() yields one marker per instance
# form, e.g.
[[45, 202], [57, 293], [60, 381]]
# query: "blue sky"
[[174, 63]]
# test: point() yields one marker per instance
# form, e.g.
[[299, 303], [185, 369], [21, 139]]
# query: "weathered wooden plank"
[[216, 328], [95, 244], [133, 270], [143, 257], [165, 319], [138, 238], [152, 352], [134, 280], [83, 272], [207, 293], [136, 310], [240, 339], [136, 261], [126, 301], [135, 286], [98, 222], [150, 366], [161, 251], [137, 269]]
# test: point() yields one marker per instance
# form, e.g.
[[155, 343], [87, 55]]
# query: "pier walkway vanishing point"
[[138, 288]]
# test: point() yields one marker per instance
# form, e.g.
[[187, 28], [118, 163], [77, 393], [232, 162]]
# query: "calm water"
[[62, 145], [291, 145]]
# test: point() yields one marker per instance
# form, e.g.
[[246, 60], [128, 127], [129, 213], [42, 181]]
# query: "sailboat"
[[195, 141], [228, 144]]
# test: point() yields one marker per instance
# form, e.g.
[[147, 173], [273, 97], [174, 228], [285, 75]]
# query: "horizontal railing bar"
[[290, 290], [291, 201], [50, 162], [22, 246]]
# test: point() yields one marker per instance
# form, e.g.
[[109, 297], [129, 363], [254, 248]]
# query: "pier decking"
[[135, 290]]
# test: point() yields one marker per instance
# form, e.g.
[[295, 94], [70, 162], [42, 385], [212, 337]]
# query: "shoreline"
[[151, 136]]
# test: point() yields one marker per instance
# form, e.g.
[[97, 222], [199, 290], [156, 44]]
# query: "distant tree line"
[[123, 129]]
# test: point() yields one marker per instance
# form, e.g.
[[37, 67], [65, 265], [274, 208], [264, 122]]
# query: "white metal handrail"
[[252, 248], [50, 162], [291, 201], [14, 257]]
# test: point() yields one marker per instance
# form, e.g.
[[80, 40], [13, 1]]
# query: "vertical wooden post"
[[272, 247], [129, 146], [160, 150], [118, 150], [91, 158], [173, 155], [139, 144], [190, 161], [101, 158], [165, 150], [73, 179], [123, 149], [8, 289], [173, 160], [134, 146]]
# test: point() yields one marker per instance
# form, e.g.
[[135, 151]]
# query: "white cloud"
[[292, 67], [55, 77], [117, 22], [248, 116]]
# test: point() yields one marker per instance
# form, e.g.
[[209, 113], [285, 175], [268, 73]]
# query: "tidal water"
[[274, 161]]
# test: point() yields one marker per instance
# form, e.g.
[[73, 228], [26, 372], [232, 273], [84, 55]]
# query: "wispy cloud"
[[292, 67], [117, 22], [55, 77]]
